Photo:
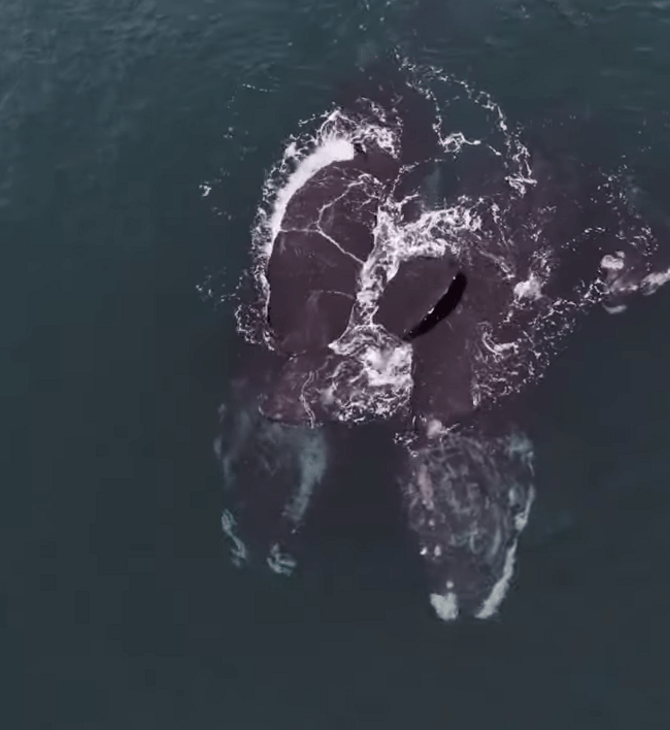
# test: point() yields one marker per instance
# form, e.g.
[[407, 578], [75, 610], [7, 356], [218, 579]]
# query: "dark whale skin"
[[466, 470], [444, 307]]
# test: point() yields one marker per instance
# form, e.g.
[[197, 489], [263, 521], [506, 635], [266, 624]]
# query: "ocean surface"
[[118, 604]]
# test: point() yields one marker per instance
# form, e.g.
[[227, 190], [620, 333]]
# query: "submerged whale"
[[401, 282]]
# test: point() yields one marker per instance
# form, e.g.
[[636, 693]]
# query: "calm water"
[[118, 605]]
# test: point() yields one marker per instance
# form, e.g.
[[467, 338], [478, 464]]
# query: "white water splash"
[[331, 149]]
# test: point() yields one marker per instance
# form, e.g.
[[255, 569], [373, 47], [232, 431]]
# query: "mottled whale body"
[[386, 293]]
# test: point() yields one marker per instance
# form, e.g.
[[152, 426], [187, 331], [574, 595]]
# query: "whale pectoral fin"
[[413, 292], [444, 307], [442, 370], [443, 389], [277, 470]]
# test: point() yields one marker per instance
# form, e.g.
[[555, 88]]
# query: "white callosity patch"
[[530, 288], [446, 607], [611, 262]]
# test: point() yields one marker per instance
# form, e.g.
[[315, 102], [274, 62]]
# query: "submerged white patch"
[[239, 553], [617, 309], [280, 562], [446, 607], [312, 463], [491, 605], [241, 431], [434, 427]]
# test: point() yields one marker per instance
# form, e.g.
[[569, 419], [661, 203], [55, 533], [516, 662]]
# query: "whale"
[[400, 283]]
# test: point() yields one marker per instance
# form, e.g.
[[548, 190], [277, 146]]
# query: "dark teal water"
[[118, 606]]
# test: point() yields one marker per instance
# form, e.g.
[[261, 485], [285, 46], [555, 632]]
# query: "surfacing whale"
[[410, 276]]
